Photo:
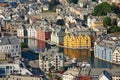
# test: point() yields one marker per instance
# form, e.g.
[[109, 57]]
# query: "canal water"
[[80, 55]]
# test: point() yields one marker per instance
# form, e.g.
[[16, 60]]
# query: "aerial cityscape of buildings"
[[59, 39]]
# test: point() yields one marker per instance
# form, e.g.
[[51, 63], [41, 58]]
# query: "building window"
[[45, 69], [60, 56], [16, 46], [51, 55], [56, 59]]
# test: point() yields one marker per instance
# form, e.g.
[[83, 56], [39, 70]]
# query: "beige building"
[[116, 55], [94, 21], [2, 56], [20, 31], [71, 74], [51, 60]]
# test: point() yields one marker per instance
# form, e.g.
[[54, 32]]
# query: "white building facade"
[[20, 31], [10, 46], [14, 68], [32, 43], [71, 74], [31, 31], [55, 38]]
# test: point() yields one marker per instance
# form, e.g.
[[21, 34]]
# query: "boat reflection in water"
[[82, 55]]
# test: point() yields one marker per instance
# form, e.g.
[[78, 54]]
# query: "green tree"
[[85, 17], [52, 69], [85, 6], [75, 1], [53, 4], [118, 15], [114, 29], [24, 45], [113, 22], [50, 75], [107, 22], [103, 8]]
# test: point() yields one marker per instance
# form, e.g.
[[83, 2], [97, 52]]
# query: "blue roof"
[[13, 4]]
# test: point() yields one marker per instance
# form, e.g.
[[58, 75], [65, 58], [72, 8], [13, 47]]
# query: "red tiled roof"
[[84, 78], [62, 72], [4, 4], [118, 5]]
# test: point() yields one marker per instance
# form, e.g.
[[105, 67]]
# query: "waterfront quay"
[[62, 46], [81, 55]]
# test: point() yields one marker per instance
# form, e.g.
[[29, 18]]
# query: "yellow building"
[[66, 40], [95, 24], [88, 40], [74, 41], [77, 43], [79, 40], [83, 41]]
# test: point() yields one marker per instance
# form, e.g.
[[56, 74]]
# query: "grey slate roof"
[[50, 54], [97, 71], [9, 40], [106, 74]]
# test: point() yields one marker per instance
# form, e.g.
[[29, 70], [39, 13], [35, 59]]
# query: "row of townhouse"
[[107, 48], [41, 32], [57, 35], [79, 39]]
